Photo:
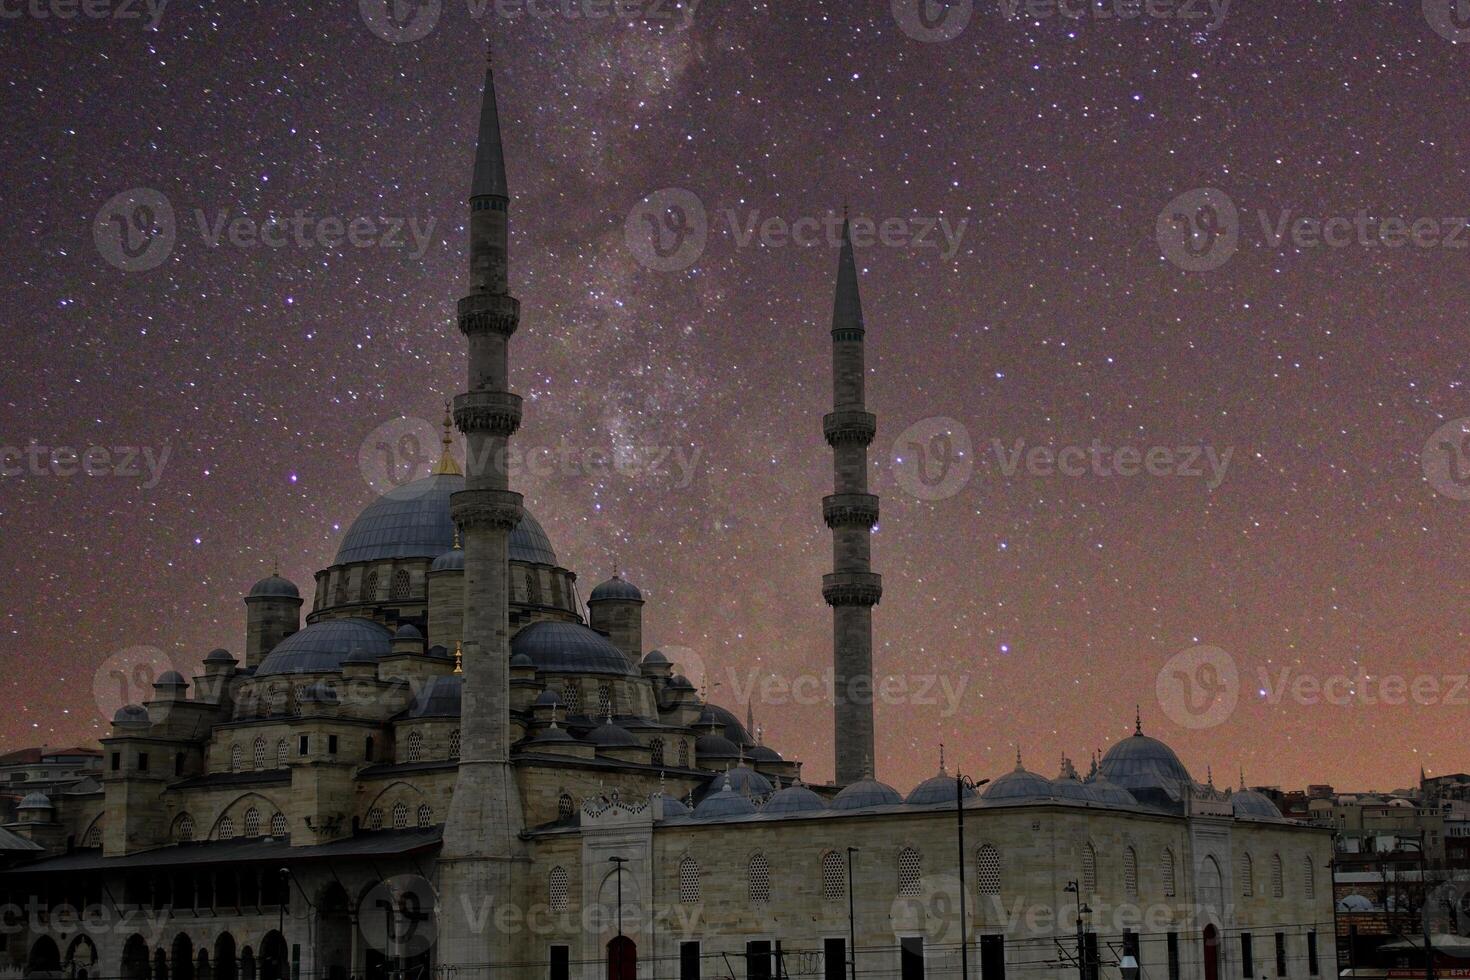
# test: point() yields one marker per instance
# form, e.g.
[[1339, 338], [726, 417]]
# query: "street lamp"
[[1418, 845], [285, 874], [619, 862], [1076, 888], [960, 782], [851, 918]]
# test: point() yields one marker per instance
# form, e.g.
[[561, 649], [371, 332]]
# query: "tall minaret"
[[480, 858], [852, 590]]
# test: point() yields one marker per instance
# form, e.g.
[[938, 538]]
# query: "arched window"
[[370, 586], [688, 881], [93, 836], [834, 877], [910, 870], [454, 738], [1089, 870], [375, 818], [565, 807], [400, 584], [1247, 875], [185, 831], [1130, 872], [425, 815], [1309, 877], [987, 861], [533, 589], [257, 754], [252, 822], [758, 881], [657, 745], [278, 825], [556, 889], [227, 829], [237, 758], [415, 746], [400, 815], [283, 752], [1278, 883], [604, 700], [1166, 871], [571, 696], [683, 754]]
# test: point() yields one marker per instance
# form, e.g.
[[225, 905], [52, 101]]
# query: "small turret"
[[616, 608], [272, 613]]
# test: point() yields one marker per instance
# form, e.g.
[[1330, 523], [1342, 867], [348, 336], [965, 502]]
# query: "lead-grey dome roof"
[[451, 561], [324, 647], [170, 678], [734, 730], [610, 735], [866, 793], [937, 789], [1106, 791], [131, 714], [1140, 762], [439, 698], [569, 648], [412, 521], [1020, 785], [794, 799], [674, 807], [275, 587], [725, 803], [616, 588], [35, 801], [219, 655], [743, 780], [1252, 804]]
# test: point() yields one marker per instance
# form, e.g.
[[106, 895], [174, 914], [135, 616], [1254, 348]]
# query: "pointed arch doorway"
[[1212, 952], [622, 959]]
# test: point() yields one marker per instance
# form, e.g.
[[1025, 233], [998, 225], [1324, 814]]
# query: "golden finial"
[[447, 464], [456, 537], [458, 657]]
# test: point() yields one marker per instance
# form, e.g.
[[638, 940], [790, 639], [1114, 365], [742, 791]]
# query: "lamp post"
[[851, 919], [960, 782], [1418, 845], [285, 874], [1076, 888]]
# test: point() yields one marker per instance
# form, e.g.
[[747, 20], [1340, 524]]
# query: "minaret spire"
[[852, 590]]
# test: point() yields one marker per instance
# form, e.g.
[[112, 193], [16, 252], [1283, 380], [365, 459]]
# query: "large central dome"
[[412, 521]]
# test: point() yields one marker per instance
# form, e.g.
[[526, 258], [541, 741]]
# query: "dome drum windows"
[[402, 585], [414, 751], [400, 815]]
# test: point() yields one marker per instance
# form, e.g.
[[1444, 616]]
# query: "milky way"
[[1022, 607]]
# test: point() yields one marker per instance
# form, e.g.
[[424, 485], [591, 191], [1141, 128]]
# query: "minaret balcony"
[[850, 510], [849, 426], [495, 412], [497, 313], [852, 588], [496, 510]]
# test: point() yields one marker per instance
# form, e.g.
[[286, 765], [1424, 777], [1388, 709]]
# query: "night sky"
[[1055, 601]]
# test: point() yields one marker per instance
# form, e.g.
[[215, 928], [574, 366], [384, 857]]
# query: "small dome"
[[655, 658], [680, 683], [408, 631], [616, 589], [323, 647], [170, 678], [674, 807], [1105, 790], [611, 736], [553, 733], [440, 698], [521, 660], [1251, 805], [219, 655], [938, 789], [131, 714], [35, 801], [360, 656], [713, 714], [1069, 787], [1355, 903], [569, 648], [744, 780], [764, 753], [725, 803], [451, 561], [548, 697], [1018, 786], [274, 587], [865, 793], [711, 748], [794, 799]]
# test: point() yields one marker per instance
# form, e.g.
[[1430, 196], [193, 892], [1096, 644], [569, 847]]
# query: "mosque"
[[457, 768]]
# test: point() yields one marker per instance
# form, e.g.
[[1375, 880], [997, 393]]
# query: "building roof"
[[569, 648], [439, 698], [937, 789], [865, 793], [323, 647], [616, 589], [274, 586], [1140, 762]]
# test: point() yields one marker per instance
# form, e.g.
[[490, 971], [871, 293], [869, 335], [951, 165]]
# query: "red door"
[[1212, 953], [622, 959]]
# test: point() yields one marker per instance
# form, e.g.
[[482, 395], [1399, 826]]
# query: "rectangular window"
[[116, 761], [1313, 967], [302, 744], [689, 961], [561, 963], [1281, 954], [142, 761], [332, 744], [1173, 956], [834, 959], [993, 957], [758, 960], [911, 958], [1247, 957]]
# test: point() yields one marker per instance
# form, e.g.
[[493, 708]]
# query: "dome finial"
[[1019, 767], [1210, 776], [941, 759], [458, 657], [1242, 777], [447, 464], [1137, 720]]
